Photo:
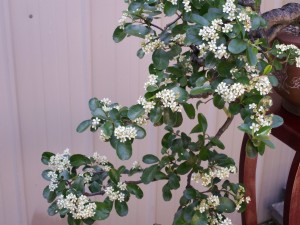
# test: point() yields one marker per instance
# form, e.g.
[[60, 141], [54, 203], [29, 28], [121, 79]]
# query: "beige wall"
[[50, 65]]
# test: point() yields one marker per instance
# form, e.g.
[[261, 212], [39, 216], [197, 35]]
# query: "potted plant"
[[215, 51]]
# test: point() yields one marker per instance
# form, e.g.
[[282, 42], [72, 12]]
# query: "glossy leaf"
[[150, 159], [79, 160], [83, 126], [124, 150], [135, 111]]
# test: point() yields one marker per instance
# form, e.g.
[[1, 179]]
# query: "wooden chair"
[[289, 133]]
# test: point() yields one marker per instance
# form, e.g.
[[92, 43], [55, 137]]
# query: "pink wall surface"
[[54, 56]]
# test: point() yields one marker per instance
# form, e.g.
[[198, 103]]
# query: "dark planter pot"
[[289, 80]]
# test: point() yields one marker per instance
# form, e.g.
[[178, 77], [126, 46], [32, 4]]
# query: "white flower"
[[60, 162], [122, 21], [152, 80], [122, 133], [187, 6], [80, 208], [230, 93], [227, 28], [136, 165], [213, 201], [168, 98], [263, 85], [174, 2], [151, 43], [103, 136], [141, 121], [122, 186], [146, 105], [114, 195]]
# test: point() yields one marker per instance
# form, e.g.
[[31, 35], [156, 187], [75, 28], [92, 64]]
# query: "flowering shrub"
[[211, 50]]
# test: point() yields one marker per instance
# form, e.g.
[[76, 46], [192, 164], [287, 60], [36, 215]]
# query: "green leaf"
[[199, 219], [118, 35], [210, 61], [200, 81], [184, 168], [46, 157], [49, 195], [140, 53], [135, 6], [252, 55], [114, 175], [45, 175], [52, 209], [149, 174], [268, 69], [190, 193], [93, 104], [237, 46], [234, 108], [160, 59], [202, 121], [140, 132], [174, 181], [201, 90], [102, 211], [78, 184], [251, 149], [108, 128], [170, 9], [217, 142], [277, 121], [83, 126], [167, 194], [181, 94], [226, 205], [169, 117], [121, 208], [273, 80], [99, 113], [135, 190], [219, 102], [199, 20], [150, 159], [135, 111], [79, 160], [137, 30], [156, 114], [189, 110], [124, 150]]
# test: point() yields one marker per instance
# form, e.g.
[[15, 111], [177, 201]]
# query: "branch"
[[279, 18], [250, 3], [133, 182], [94, 194], [170, 24], [224, 127]]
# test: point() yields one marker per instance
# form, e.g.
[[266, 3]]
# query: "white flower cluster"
[[123, 19], [262, 84], [53, 180], [147, 105], [103, 136], [60, 162], [179, 39], [245, 19], [282, 48], [151, 43], [213, 218], [160, 7], [210, 203], [100, 160], [87, 177], [152, 80], [174, 2], [80, 208], [136, 165], [260, 117], [240, 198], [211, 35], [168, 98], [95, 122], [142, 120], [187, 6], [122, 133], [230, 8], [114, 195], [207, 177], [230, 92]]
